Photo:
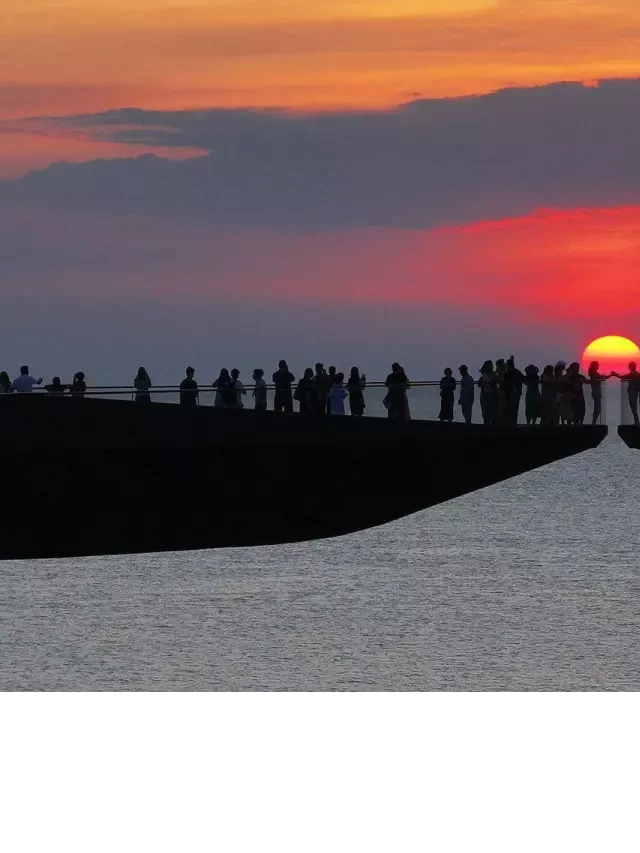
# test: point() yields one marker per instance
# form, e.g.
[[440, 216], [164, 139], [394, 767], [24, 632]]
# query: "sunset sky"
[[426, 180]]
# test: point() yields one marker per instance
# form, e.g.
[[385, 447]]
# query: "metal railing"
[[423, 398], [629, 403]]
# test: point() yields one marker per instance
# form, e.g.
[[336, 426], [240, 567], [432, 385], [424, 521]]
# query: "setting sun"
[[613, 352]]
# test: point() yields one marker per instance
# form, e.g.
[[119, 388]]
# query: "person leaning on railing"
[[24, 383], [596, 379], [633, 388], [78, 386]]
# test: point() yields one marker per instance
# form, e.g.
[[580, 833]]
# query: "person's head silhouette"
[[282, 364], [190, 372], [632, 366], [24, 370]]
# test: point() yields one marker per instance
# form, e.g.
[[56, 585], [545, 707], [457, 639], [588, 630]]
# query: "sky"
[[231, 182]]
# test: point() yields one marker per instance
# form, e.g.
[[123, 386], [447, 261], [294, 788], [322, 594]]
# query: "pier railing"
[[629, 402], [423, 396]]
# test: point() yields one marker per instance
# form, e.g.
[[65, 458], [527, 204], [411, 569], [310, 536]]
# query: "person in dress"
[[533, 397], [189, 389], [500, 416], [576, 382], [447, 396], [548, 395], [337, 395], [78, 386], [24, 383], [238, 387], [5, 383], [142, 383], [355, 386], [396, 400], [467, 393], [259, 391], [488, 384], [304, 394], [225, 395]]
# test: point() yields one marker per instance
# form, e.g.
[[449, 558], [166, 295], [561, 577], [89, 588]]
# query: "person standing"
[[24, 383], [512, 380], [189, 389], [304, 392], [548, 396], [596, 379], [320, 390], [142, 383], [225, 395], [238, 387], [331, 378], [355, 386], [397, 402], [259, 391], [5, 383], [283, 379], [633, 389], [337, 395], [488, 384], [447, 396], [533, 398], [467, 393]]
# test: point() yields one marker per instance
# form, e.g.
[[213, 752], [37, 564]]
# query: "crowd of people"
[[552, 397]]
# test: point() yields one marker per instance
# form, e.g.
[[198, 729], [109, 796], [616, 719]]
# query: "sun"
[[613, 352]]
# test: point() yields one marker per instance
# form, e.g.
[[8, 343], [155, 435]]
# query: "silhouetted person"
[[304, 392], [24, 383], [561, 395], [533, 397], [488, 384], [548, 395], [501, 399], [337, 395], [238, 387], [576, 382], [355, 386], [283, 379], [512, 380], [633, 389], [259, 391], [397, 402], [189, 389], [331, 378], [5, 383], [596, 379], [467, 393], [447, 395], [225, 393], [320, 390], [78, 386], [142, 383], [56, 388]]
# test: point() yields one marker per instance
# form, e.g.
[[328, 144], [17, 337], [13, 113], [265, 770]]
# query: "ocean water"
[[532, 584]]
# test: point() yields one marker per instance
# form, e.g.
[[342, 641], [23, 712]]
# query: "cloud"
[[424, 165]]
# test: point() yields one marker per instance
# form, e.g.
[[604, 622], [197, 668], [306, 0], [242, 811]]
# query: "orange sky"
[[68, 56]]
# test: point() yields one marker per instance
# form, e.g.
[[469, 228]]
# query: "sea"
[[529, 585]]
